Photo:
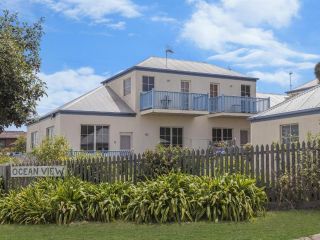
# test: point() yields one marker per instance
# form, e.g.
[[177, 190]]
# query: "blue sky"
[[86, 41]]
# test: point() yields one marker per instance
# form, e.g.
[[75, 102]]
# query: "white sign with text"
[[38, 171]]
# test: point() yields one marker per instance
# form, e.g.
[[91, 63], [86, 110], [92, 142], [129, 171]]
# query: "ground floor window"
[[34, 139], [49, 132], [94, 137], [221, 134], [289, 133], [171, 136]]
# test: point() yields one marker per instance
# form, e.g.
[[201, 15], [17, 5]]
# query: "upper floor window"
[[34, 139], [289, 133], [49, 132], [245, 90], [171, 136], [185, 86], [147, 83], [214, 90], [94, 137], [126, 86]]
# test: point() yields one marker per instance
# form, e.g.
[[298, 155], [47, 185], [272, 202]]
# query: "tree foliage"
[[20, 145], [20, 87], [51, 149], [317, 70]]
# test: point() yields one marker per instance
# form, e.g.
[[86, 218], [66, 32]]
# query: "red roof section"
[[11, 134]]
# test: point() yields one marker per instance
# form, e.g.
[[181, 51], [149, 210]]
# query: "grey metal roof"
[[102, 100], [305, 86], [304, 103], [158, 64], [274, 98], [191, 66]]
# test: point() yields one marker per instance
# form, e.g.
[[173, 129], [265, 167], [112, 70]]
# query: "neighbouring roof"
[[305, 86], [274, 98], [158, 64], [11, 134], [305, 103], [100, 101]]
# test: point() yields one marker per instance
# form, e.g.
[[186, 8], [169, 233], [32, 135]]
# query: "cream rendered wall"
[[171, 82], [41, 127], [266, 132], [117, 87], [146, 129]]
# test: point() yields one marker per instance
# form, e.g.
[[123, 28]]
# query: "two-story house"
[[167, 101]]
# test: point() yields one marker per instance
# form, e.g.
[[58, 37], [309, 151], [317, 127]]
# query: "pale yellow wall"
[[117, 87], [41, 127], [266, 132], [171, 82], [145, 129]]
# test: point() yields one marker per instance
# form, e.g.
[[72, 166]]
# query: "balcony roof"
[[174, 66]]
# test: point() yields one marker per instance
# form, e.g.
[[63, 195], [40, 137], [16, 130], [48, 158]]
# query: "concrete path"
[[313, 237]]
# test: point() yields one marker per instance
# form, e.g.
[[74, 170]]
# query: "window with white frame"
[[221, 134], [94, 137], [289, 133], [34, 139], [214, 88], [147, 83], [171, 136], [50, 132], [245, 90], [126, 86]]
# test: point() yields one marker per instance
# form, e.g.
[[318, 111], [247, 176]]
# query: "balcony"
[[235, 106], [173, 102]]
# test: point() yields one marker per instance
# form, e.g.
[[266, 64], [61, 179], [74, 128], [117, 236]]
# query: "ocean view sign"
[[38, 171]]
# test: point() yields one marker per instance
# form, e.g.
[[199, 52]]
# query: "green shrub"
[[171, 198], [51, 149], [162, 160], [179, 197], [4, 158], [20, 145]]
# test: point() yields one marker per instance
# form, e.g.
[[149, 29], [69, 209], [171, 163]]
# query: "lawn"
[[275, 225]]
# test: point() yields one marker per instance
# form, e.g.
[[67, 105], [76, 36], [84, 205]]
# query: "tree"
[[51, 149], [19, 64], [317, 71], [20, 145]]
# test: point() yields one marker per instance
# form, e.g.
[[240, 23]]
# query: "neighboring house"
[[288, 121], [274, 98], [184, 103], [7, 138], [303, 88]]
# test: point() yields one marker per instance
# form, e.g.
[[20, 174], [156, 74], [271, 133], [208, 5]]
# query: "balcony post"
[[269, 103], [222, 103], [152, 98]]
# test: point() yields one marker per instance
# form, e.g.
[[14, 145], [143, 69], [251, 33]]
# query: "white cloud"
[[280, 77], [64, 86], [163, 19], [93, 11], [241, 32], [96, 10], [277, 13]]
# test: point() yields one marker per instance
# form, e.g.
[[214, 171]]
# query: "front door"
[[185, 89], [125, 141], [244, 137]]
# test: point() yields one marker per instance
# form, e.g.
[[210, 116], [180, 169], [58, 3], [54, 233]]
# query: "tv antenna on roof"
[[290, 76], [168, 50]]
